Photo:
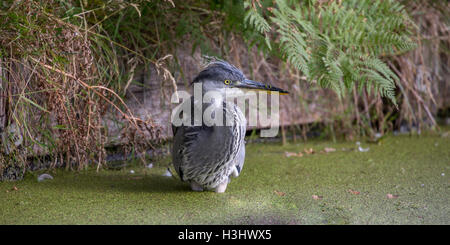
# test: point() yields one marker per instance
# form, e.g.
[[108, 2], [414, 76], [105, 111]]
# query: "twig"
[[93, 88]]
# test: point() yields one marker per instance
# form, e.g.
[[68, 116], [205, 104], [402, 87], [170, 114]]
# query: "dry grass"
[[55, 90]]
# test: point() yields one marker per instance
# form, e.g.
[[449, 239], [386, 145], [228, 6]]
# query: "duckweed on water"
[[272, 189]]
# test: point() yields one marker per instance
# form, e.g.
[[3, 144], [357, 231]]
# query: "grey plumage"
[[207, 156]]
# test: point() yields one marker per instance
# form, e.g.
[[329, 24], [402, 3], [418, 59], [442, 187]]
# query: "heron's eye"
[[227, 82]]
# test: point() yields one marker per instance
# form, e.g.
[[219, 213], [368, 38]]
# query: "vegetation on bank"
[[65, 64]]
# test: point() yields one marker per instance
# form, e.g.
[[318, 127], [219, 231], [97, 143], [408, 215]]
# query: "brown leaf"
[[309, 151], [136, 178], [279, 193], [348, 149], [353, 192], [390, 196], [293, 154], [15, 188], [329, 149], [289, 154], [315, 197]]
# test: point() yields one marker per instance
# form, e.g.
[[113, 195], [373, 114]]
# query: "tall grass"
[[60, 75]]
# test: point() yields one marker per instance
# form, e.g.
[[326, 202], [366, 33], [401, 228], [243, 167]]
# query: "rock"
[[363, 149], [43, 177], [360, 148]]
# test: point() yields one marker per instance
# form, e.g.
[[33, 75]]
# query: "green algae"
[[272, 189]]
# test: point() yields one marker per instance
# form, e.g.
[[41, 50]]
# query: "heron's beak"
[[249, 84]]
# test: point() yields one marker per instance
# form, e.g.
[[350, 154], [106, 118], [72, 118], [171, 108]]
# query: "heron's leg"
[[196, 187], [222, 187]]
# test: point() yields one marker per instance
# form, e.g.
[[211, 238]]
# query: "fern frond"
[[257, 21], [339, 44]]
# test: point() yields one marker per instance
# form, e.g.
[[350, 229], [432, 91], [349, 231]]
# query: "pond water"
[[401, 180]]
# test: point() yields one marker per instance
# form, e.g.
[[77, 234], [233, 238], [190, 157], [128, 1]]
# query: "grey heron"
[[207, 156]]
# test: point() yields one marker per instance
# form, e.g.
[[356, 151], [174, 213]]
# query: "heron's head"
[[220, 75]]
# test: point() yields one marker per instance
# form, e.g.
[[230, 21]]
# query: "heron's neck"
[[230, 110], [234, 112]]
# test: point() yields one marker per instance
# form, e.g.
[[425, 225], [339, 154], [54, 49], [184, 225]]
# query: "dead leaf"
[[136, 178], [349, 149], [315, 197], [390, 196], [309, 151], [293, 154], [135, 6], [329, 149], [289, 154], [279, 193], [15, 188], [353, 192]]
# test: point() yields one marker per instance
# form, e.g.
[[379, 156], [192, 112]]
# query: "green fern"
[[340, 44], [258, 22]]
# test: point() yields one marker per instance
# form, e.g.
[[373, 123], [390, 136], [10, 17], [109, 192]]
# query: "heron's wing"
[[240, 158], [201, 149], [177, 149], [179, 138]]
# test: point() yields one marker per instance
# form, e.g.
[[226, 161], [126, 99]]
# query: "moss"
[[272, 189]]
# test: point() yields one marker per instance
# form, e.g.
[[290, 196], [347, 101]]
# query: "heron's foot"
[[234, 172], [196, 187], [222, 187]]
